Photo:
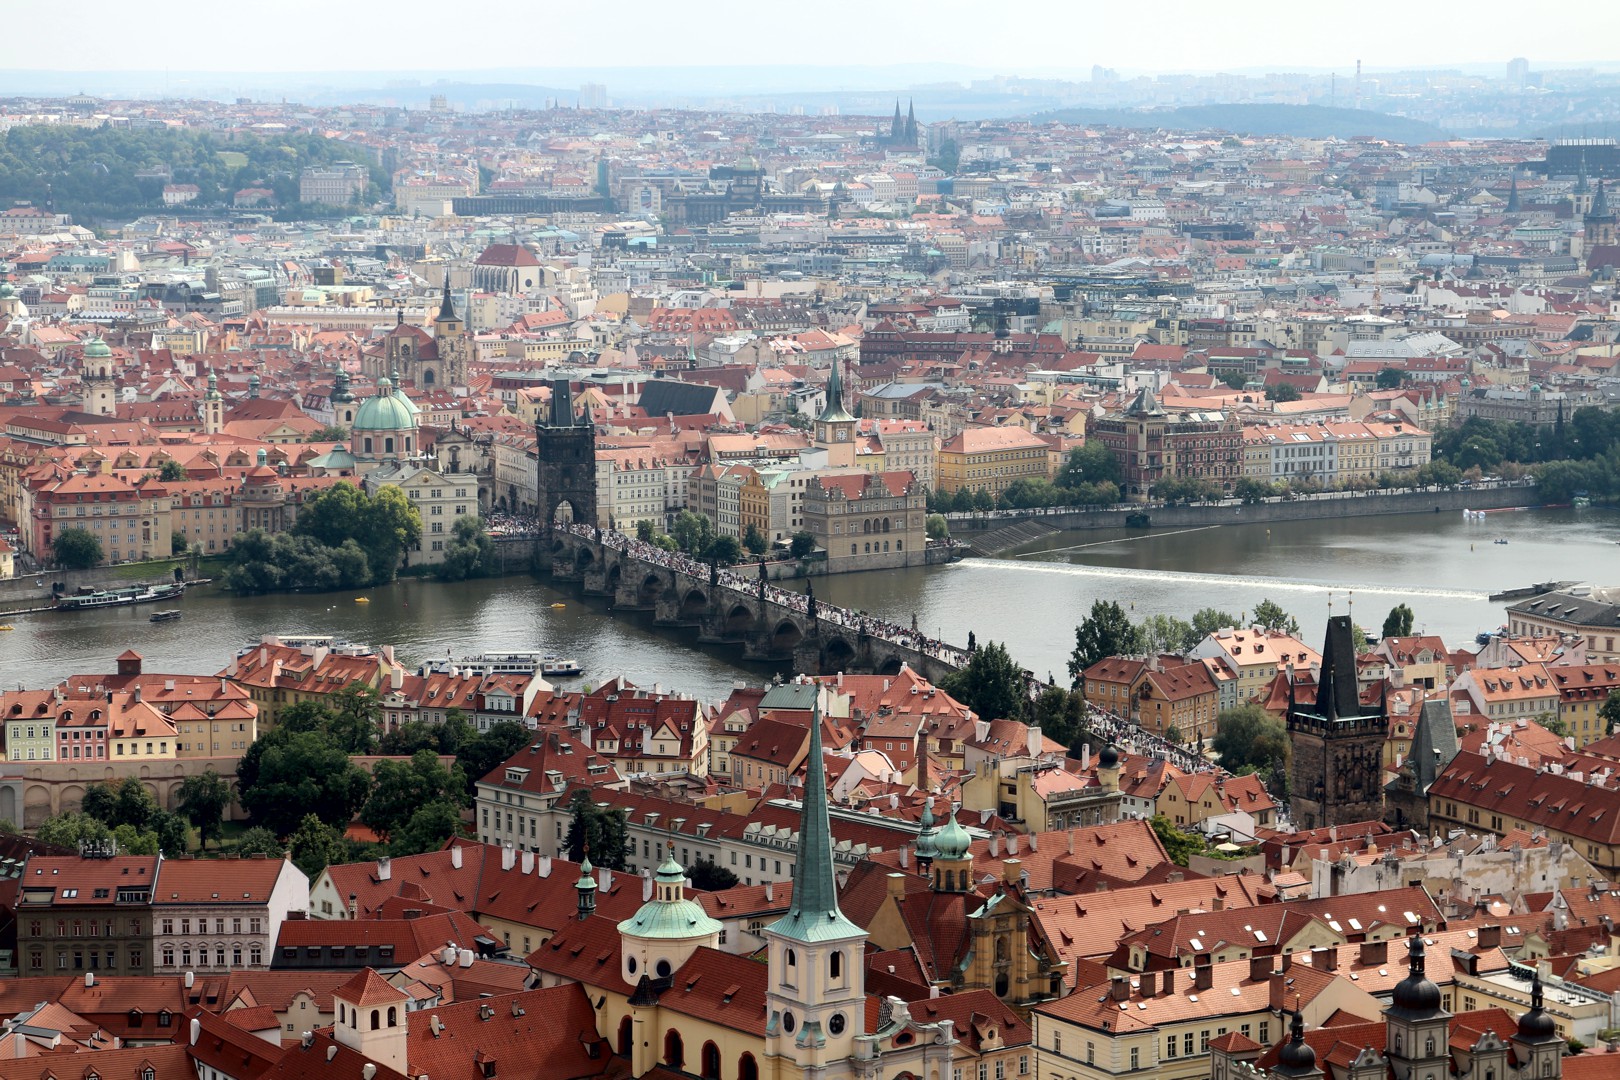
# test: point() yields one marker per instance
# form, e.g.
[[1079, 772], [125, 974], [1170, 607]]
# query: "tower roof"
[[1600, 203], [369, 988], [670, 915], [1415, 997], [447, 310], [1336, 691], [834, 412], [814, 914]]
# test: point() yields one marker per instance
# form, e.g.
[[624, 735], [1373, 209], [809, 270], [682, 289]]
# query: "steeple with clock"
[[835, 428]]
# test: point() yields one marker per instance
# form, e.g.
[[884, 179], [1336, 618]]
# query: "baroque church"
[[669, 998]]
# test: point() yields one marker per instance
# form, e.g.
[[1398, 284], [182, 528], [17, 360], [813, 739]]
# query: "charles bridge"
[[770, 624]]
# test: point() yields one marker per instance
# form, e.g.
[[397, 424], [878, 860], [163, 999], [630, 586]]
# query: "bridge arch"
[[786, 637], [651, 588], [740, 619], [891, 666], [583, 557], [695, 604], [614, 574], [836, 655]]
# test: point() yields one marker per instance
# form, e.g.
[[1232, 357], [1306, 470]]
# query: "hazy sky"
[[1052, 37]]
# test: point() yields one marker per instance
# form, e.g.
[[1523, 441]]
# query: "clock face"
[[843, 434]]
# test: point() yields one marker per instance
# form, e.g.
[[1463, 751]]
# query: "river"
[[1030, 599]]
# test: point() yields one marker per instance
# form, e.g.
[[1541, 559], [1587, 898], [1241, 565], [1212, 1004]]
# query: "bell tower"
[[450, 340], [99, 388], [1336, 771], [213, 406], [815, 1001], [835, 428], [371, 1019]]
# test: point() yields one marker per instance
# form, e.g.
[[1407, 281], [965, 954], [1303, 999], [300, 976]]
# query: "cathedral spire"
[[814, 914], [447, 310]]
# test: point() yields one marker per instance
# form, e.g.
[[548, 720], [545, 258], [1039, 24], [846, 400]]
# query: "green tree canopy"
[[1092, 463], [428, 828], [315, 845], [286, 775], [1180, 845], [1249, 736], [801, 545], [469, 553], [1271, 616], [204, 798], [485, 750], [991, 684], [1207, 621], [938, 528], [1283, 392], [1166, 633], [1107, 631], [73, 829], [77, 549], [1390, 378], [755, 541], [710, 876], [400, 789], [1060, 714], [259, 841], [171, 471], [1610, 713], [601, 827], [1398, 623]]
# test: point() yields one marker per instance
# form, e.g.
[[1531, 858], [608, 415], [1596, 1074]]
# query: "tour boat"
[[166, 616], [559, 667], [362, 599], [138, 594]]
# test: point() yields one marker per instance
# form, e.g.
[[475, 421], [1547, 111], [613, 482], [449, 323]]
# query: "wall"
[[1168, 517]]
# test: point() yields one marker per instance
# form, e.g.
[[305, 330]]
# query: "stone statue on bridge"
[[810, 599]]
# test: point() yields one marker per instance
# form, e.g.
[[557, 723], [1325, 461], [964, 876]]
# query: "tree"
[[77, 549], [1181, 846], [1398, 623], [1555, 724], [172, 833], [408, 738], [1107, 631], [1610, 713], [171, 471], [1060, 714], [1390, 378], [257, 841], [315, 845], [203, 800], [1092, 463], [938, 528], [1271, 616], [710, 876], [1248, 735], [486, 750], [646, 531], [801, 545], [400, 789], [427, 830], [1283, 392], [1166, 633], [991, 684], [1251, 490], [127, 802], [725, 550], [468, 553], [285, 775], [602, 827], [692, 532], [330, 433], [72, 829], [1207, 621], [755, 541], [357, 712]]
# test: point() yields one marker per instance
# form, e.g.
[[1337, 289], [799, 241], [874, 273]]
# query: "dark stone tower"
[[565, 444], [1599, 223], [1336, 776]]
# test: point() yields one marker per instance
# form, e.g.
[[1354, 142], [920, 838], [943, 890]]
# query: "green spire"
[[814, 914], [835, 398], [925, 837]]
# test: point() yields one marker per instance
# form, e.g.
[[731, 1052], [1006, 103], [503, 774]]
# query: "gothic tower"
[[1599, 224], [835, 428], [450, 341], [815, 1002], [342, 397], [1336, 775], [565, 445]]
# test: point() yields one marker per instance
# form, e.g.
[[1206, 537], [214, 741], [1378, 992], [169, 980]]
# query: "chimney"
[[1011, 871], [542, 866], [1259, 968], [905, 857], [508, 857], [897, 886], [455, 856], [1490, 937], [646, 888], [1119, 988], [1287, 960], [384, 870], [465, 958], [1277, 992], [354, 906], [604, 879], [526, 862], [1325, 958], [1150, 984], [1203, 972], [1085, 757], [995, 845], [89, 978], [367, 1071], [1169, 981], [1377, 952], [770, 892]]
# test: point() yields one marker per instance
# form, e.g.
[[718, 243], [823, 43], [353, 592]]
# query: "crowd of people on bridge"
[[804, 603], [1127, 736]]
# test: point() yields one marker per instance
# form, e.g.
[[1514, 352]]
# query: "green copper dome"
[[386, 410], [926, 847], [953, 840], [587, 876], [669, 915], [96, 349]]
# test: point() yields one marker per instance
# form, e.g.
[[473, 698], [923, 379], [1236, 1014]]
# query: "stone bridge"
[[769, 624]]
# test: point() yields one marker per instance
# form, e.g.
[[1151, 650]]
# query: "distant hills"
[[1300, 121]]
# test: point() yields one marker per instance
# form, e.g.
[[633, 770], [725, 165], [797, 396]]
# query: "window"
[[1136, 1057]]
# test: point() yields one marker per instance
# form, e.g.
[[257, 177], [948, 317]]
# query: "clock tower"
[[835, 428]]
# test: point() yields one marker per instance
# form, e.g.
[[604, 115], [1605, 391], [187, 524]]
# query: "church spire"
[[447, 310], [897, 128], [814, 914], [1513, 194], [1600, 202]]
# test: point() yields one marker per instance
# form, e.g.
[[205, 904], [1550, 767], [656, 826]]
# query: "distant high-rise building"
[[1518, 72], [439, 103], [592, 96]]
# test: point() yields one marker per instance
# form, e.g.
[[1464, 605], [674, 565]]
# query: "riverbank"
[[1304, 508]]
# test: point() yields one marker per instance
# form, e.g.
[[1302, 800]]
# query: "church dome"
[[1416, 994], [1296, 1056], [96, 349], [1536, 1025], [1108, 758], [669, 915], [386, 410], [952, 840]]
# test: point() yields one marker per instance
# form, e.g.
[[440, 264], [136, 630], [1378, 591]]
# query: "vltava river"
[[1440, 565]]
